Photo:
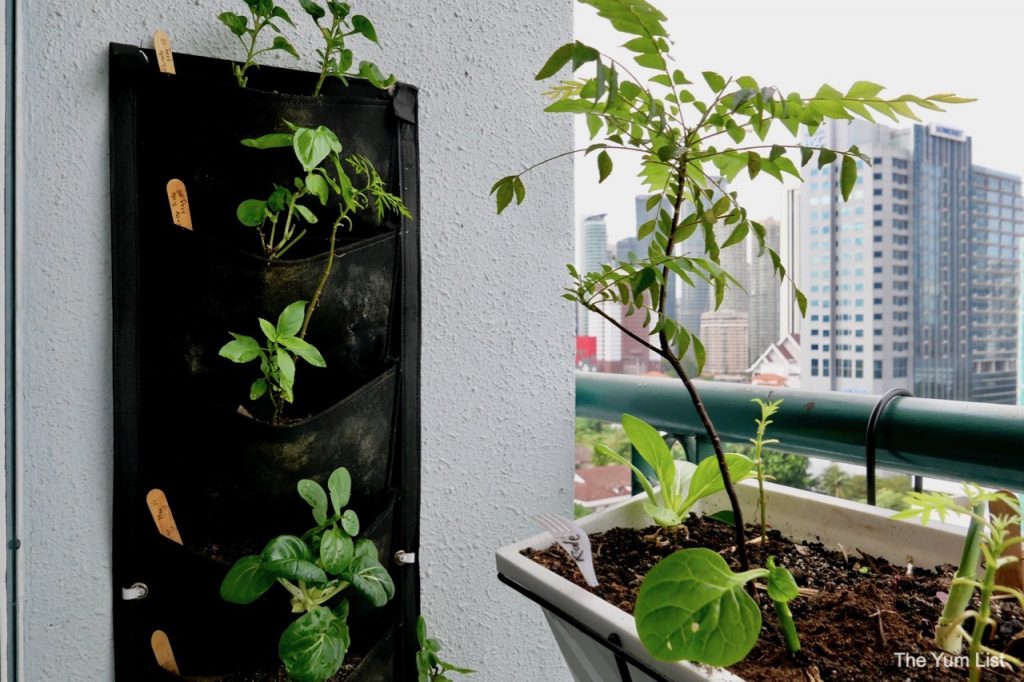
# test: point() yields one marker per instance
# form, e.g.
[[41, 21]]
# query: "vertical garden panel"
[[184, 421]]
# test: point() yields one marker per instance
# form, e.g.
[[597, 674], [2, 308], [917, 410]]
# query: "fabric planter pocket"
[[227, 290], [229, 476]]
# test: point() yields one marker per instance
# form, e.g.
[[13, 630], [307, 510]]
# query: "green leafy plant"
[[988, 537], [277, 357], [429, 666], [262, 14], [690, 140], [315, 569], [336, 59], [768, 409], [682, 484], [692, 607]]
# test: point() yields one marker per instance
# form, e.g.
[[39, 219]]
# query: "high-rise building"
[[591, 254], [996, 226], [790, 318], [942, 262], [855, 263], [724, 334], [763, 301]]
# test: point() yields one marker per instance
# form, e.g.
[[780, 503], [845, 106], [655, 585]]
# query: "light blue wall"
[[497, 349]]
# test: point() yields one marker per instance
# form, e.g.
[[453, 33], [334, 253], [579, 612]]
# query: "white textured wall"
[[497, 375]]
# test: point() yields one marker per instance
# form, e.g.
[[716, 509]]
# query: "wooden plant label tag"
[[164, 55], [161, 511], [1011, 575], [177, 197], [163, 652]]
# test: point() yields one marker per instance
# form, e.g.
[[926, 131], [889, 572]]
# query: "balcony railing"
[[942, 439]]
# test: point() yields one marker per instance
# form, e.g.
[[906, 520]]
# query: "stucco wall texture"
[[497, 351]]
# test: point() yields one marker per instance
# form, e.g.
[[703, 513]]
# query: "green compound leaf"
[[692, 607], [313, 647]]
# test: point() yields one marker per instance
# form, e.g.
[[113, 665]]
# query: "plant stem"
[[315, 301], [981, 621], [759, 463], [947, 632], [787, 625], [327, 57], [698, 404]]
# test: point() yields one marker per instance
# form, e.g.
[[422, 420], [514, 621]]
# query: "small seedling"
[[277, 357], [988, 538], [429, 666], [670, 506], [692, 607], [262, 14], [315, 569], [768, 409], [336, 59]]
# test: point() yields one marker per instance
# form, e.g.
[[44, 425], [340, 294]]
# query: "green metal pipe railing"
[[974, 442]]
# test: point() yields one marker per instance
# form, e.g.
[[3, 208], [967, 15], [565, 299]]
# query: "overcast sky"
[[975, 49]]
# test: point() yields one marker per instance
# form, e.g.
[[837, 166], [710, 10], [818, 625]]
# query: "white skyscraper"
[[592, 252]]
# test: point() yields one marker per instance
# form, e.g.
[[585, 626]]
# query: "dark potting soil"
[[279, 675], [851, 627]]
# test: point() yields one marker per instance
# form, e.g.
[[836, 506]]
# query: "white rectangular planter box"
[[798, 515]]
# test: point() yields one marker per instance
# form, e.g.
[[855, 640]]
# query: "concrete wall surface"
[[497, 351]]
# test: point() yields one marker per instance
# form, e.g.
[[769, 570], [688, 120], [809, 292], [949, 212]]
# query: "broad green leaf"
[[252, 212], [805, 155], [753, 164], [258, 389], [726, 516], [242, 349], [306, 214], [312, 9], [311, 146], [714, 81], [286, 366], [318, 187], [636, 17], [289, 322], [369, 577], [707, 479], [340, 487], [236, 23], [313, 647], [848, 177], [372, 73], [781, 585], [699, 354], [350, 522], [336, 552], [246, 581], [280, 13], [583, 54], [339, 10], [281, 43], [503, 188], [365, 27], [864, 90], [313, 493], [271, 141], [801, 301], [268, 329], [604, 166], [519, 189], [692, 607], [287, 556], [304, 350], [556, 61], [652, 447]]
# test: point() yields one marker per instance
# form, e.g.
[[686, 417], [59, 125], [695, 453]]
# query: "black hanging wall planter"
[[183, 433]]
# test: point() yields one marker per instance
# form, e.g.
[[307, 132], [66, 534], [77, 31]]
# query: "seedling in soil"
[[429, 666], [692, 607], [315, 569], [277, 358], [336, 59], [262, 14], [768, 409], [690, 141], [682, 484], [988, 537]]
